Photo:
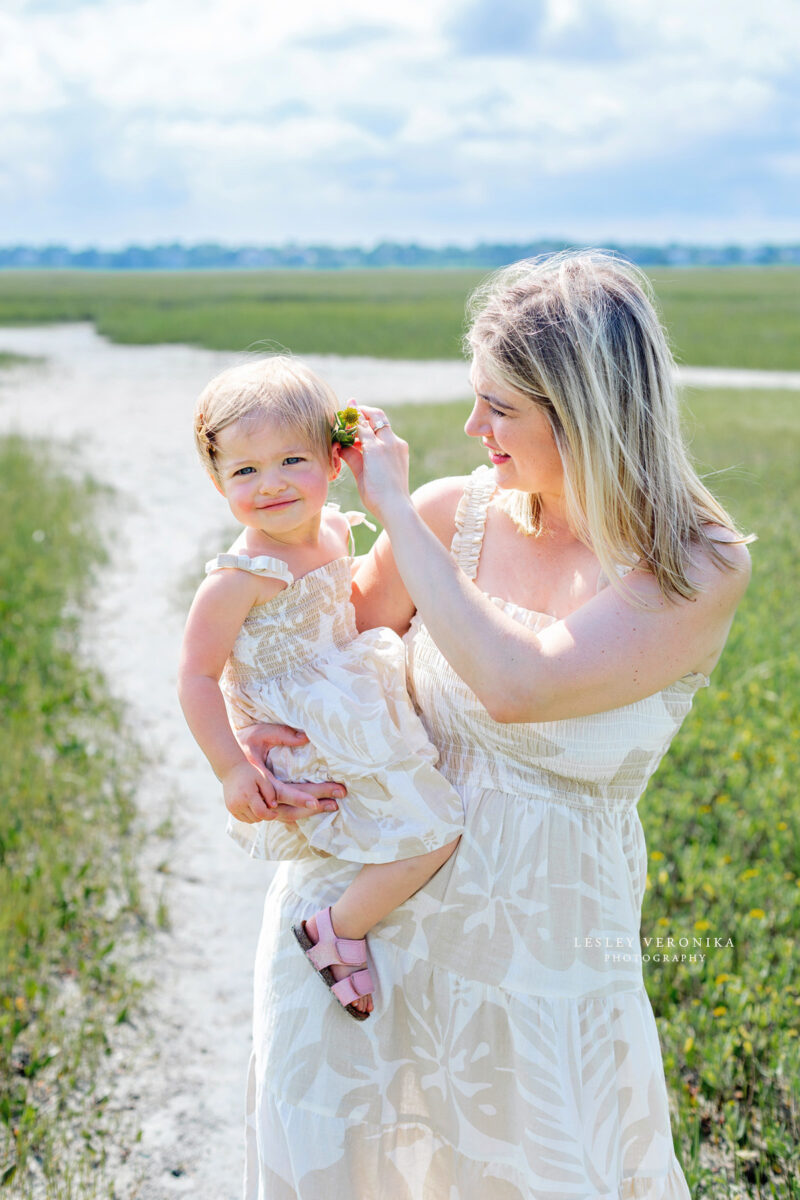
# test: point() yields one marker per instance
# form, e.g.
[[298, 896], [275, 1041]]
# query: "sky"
[[438, 121]]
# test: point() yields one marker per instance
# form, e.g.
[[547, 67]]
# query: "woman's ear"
[[336, 461]]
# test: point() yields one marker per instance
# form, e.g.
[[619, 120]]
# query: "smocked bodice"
[[603, 760], [309, 617]]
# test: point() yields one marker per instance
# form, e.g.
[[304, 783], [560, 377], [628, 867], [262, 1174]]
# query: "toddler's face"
[[271, 477]]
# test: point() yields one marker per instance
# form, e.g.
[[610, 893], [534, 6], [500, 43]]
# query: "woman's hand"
[[379, 464], [293, 801], [257, 740]]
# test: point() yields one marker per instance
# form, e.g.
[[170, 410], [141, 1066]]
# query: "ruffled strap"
[[353, 517], [471, 519], [270, 568]]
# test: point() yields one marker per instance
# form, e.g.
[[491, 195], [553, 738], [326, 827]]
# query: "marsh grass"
[[737, 317], [16, 360], [721, 816], [68, 889]]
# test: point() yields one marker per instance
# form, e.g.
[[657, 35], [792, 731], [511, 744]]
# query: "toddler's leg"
[[375, 892]]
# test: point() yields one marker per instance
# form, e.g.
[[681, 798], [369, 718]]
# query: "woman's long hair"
[[578, 335]]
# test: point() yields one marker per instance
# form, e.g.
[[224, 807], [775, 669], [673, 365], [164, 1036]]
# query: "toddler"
[[271, 637]]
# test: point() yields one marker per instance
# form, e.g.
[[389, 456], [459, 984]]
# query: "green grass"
[[723, 829], [15, 360], [67, 880], [721, 817], [739, 317]]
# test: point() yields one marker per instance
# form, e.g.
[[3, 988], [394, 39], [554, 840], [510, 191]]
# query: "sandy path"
[[180, 1074], [128, 408]]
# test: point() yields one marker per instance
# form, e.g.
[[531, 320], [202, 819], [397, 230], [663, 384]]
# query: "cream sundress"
[[513, 1053], [298, 660]]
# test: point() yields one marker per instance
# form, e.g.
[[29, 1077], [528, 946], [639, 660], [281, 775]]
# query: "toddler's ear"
[[336, 461], [216, 482]]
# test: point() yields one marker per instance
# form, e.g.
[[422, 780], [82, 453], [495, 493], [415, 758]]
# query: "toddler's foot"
[[363, 1003]]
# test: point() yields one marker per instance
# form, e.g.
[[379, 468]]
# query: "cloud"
[[141, 119], [343, 38]]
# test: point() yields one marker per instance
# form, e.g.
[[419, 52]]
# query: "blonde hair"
[[577, 333], [277, 387]]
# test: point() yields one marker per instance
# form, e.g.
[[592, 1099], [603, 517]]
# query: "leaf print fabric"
[[510, 1055], [299, 661]]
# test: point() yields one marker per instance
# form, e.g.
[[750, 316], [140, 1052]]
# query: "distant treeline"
[[212, 256]]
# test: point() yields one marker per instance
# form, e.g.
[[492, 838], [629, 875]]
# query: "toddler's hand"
[[249, 794]]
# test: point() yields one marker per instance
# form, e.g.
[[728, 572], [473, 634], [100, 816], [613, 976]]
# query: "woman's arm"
[[379, 594], [606, 654]]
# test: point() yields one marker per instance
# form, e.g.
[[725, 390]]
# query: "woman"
[[560, 612]]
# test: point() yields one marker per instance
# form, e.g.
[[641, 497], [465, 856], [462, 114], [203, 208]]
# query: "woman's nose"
[[474, 426]]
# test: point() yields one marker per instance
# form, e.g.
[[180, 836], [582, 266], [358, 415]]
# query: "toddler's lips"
[[277, 504]]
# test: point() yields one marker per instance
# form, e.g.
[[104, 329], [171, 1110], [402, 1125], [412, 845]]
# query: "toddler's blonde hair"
[[277, 387], [577, 333]]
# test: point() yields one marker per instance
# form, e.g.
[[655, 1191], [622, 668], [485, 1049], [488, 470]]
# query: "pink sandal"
[[344, 952]]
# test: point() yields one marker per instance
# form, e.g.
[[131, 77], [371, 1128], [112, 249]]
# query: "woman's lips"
[[497, 457]]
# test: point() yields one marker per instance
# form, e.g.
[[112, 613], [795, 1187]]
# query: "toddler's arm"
[[222, 602]]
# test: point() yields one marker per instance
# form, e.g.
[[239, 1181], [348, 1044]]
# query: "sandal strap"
[[353, 987], [330, 950]]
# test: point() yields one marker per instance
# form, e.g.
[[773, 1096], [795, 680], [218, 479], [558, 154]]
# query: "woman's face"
[[517, 435]]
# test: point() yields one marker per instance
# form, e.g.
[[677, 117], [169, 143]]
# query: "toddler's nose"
[[271, 484]]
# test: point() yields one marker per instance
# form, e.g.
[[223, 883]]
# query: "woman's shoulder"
[[437, 503], [724, 565]]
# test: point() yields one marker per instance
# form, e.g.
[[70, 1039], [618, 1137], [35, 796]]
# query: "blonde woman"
[[560, 607]]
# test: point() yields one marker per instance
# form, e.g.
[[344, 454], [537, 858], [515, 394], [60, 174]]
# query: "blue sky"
[[430, 120]]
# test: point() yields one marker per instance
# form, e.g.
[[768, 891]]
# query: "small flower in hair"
[[202, 429], [345, 427]]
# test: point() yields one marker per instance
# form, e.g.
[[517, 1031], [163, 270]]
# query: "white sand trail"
[[181, 1072], [127, 410]]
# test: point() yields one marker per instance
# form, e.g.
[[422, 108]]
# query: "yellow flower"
[[687, 1045], [704, 808], [701, 925], [656, 856], [345, 427], [719, 1010], [750, 873], [663, 921], [757, 913], [748, 1046], [663, 876], [722, 978], [782, 826]]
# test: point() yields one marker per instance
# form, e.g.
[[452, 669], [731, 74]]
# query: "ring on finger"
[[380, 425]]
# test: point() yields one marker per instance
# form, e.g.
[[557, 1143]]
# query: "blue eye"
[[243, 470], [294, 458]]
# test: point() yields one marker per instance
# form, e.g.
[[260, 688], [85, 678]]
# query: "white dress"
[[512, 1053], [298, 660]]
